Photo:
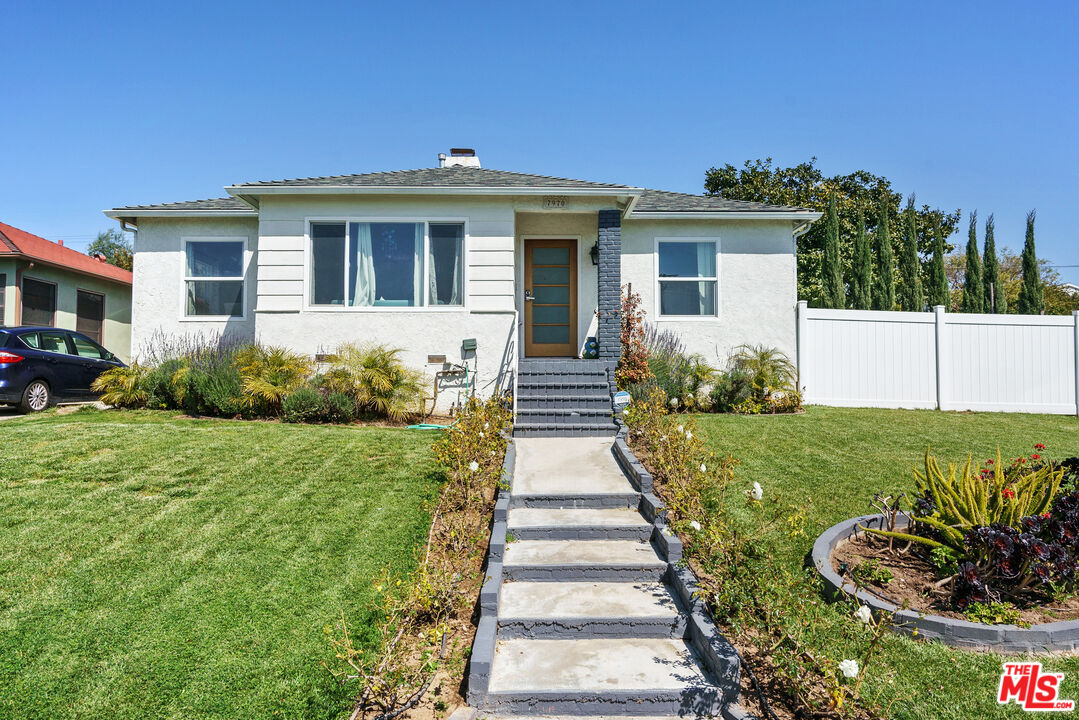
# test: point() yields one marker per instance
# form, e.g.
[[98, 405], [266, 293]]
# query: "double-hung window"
[[687, 277], [387, 264], [214, 277]]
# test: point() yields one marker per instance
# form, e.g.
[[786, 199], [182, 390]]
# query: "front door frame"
[[575, 291]]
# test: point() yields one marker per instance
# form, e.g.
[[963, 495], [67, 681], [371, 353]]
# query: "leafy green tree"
[[832, 293], [861, 282], [995, 300], [911, 295], [938, 280], [884, 281], [1032, 292], [972, 277], [804, 185], [114, 246]]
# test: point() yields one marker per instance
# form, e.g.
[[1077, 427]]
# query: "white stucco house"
[[525, 265]]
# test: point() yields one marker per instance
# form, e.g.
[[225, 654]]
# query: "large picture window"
[[687, 277], [38, 302], [387, 264], [214, 278]]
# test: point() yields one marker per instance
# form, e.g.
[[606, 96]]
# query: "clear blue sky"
[[970, 105]]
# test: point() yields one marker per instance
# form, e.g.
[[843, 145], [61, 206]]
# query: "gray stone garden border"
[[1063, 635]]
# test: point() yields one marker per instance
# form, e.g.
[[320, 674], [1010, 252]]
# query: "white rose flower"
[[704, 468], [864, 614], [689, 436], [486, 425], [849, 668], [681, 429], [695, 525], [757, 492], [481, 433], [674, 402], [473, 466]]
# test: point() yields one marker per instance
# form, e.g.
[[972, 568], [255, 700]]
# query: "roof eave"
[[61, 266], [803, 215], [124, 214]]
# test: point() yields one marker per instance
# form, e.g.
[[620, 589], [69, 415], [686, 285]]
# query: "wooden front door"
[[550, 298]]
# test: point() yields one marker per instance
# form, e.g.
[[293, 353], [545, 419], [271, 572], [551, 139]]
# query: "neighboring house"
[[45, 284], [525, 265]]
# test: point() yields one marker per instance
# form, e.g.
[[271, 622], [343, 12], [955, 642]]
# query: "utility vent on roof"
[[459, 157]]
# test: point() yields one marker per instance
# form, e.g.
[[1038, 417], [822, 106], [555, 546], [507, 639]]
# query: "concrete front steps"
[[591, 618], [564, 398]]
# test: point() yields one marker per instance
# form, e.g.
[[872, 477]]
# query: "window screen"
[[38, 302]]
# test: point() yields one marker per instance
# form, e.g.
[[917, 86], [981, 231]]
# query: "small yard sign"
[[621, 398]]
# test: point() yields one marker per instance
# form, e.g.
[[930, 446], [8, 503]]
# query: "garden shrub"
[[378, 380], [163, 384], [339, 408], [758, 379], [681, 375], [122, 386], [305, 405], [633, 364], [211, 384]]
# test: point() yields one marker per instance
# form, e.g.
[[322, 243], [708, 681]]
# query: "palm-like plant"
[[378, 379], [270, 374], [769, 371], [122, 386]]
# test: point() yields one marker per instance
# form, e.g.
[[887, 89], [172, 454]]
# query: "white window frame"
[[245, 260], [308, 306], [655, 273]]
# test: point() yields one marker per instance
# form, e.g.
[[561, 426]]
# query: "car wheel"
[[35, 397]]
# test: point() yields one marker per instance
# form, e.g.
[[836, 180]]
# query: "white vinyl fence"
[[950, 361]]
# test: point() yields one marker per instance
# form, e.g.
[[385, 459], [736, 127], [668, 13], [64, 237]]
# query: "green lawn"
[[832, 460], [153, 566]]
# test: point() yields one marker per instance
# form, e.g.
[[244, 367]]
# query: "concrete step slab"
[[571, 466], [639, 676], [589, 610], [607, 560]]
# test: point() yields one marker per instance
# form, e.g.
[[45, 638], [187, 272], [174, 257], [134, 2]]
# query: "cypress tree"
[[862, 270], [884, 283], [1031, 293], [938, 280], [994, 299], [832, 292], [911, 297], [972, 275]]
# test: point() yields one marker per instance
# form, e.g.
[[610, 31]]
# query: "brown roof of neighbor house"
[[19, 243]]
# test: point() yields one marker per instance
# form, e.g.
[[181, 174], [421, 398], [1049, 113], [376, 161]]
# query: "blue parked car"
[[40, 367]]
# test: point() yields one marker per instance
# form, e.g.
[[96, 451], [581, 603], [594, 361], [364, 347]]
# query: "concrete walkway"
[[588, 623]]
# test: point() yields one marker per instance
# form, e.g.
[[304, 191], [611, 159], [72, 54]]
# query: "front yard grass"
[[158, 566], [830, 462]]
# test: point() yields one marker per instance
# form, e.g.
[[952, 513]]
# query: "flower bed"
[[989, 545]]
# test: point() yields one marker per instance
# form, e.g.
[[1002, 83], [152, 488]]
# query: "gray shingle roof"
[[227, 203], [457, 177], [672, 202]]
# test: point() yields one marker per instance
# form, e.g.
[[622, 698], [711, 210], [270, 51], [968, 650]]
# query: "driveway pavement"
[[7, 412]]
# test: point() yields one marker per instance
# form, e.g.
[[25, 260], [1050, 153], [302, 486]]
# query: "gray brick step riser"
[[570, 573], [695, 702], [573, 402], [589, 628], [545, 390], [584, 377], [557, 502], [531, 418], [629, 532], [565, 432]]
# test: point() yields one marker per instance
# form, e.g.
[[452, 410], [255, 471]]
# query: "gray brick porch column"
[[610, 285]]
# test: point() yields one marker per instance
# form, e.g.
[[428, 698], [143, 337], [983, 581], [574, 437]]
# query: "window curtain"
[[455, 276], [417, 267], [363, 290], [706, 267]]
